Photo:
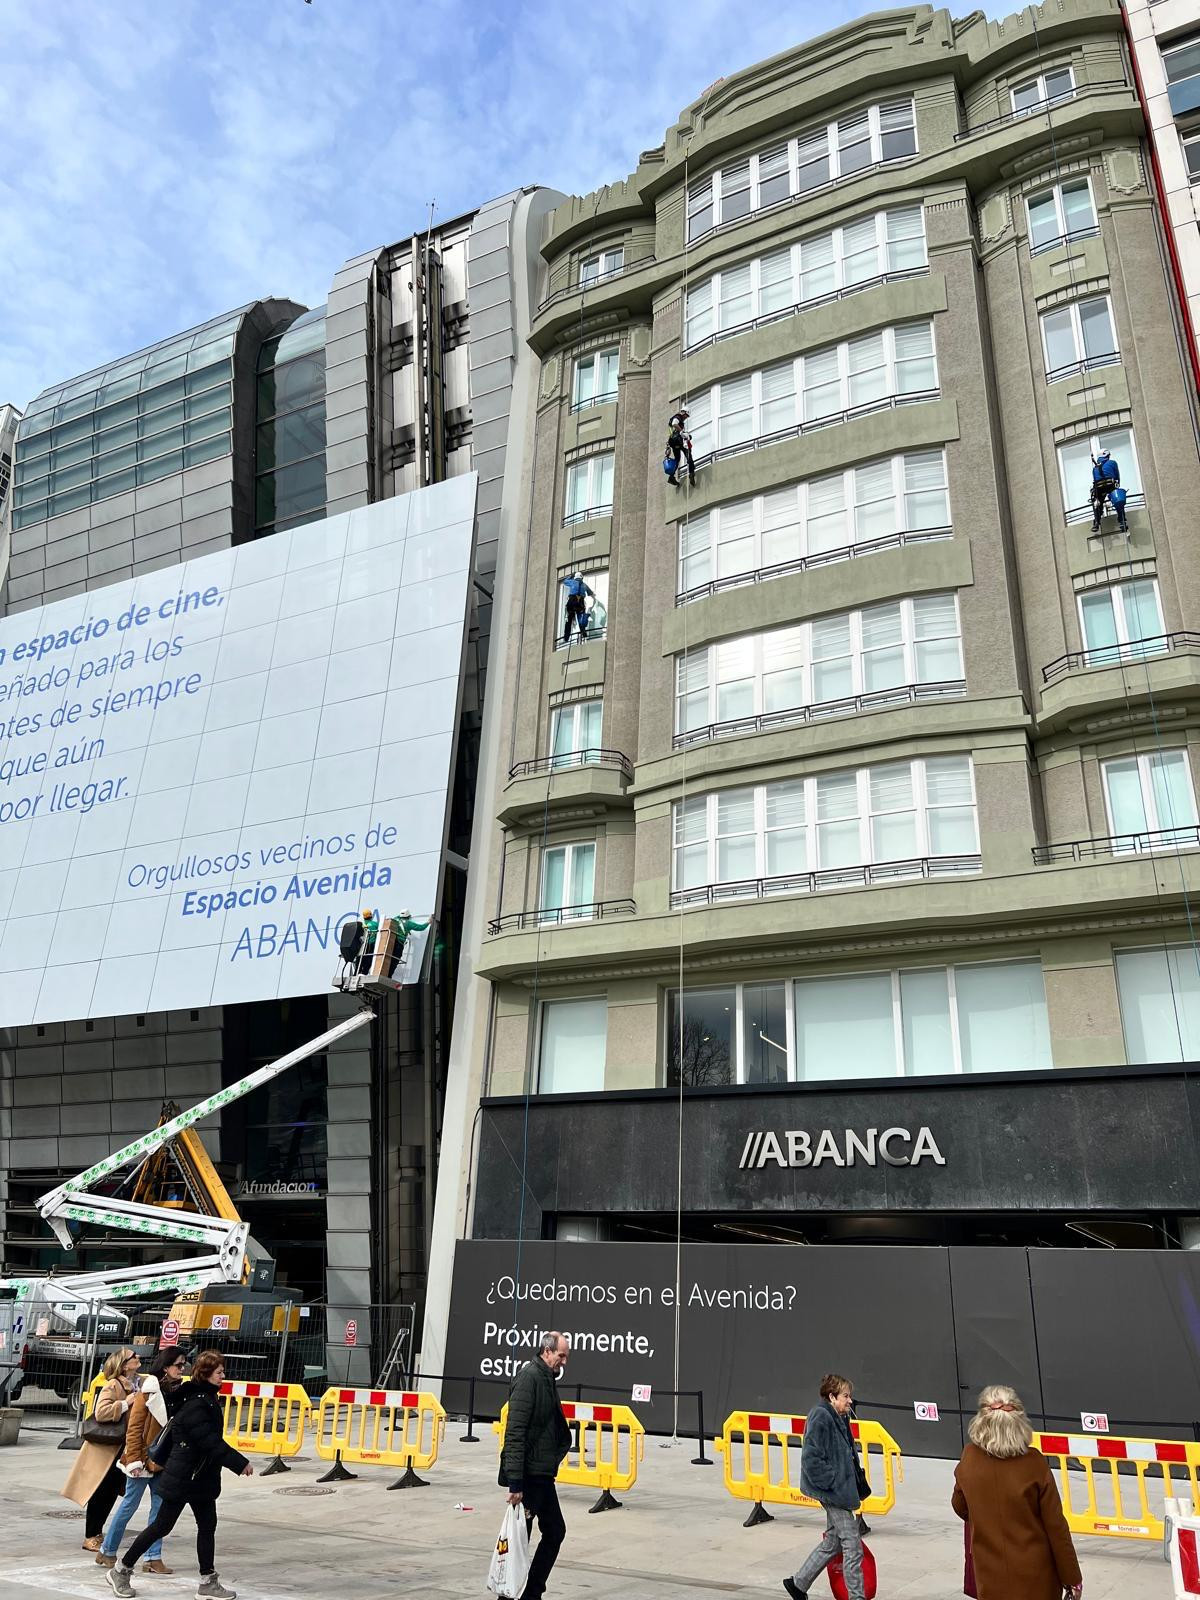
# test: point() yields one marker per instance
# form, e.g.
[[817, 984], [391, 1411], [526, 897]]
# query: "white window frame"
[[557, 915], [708, 191], [707, 660], [597, 582], [884, 248], [793, 985], [1184, 1015], [1043, 100], [574, 999], [1055, 192], [592, 470], [709, 523], [577, 753], [851, 872], [1154, 823], [1126, 458], [606, 262], [1082, 362], [1128, 646], [1189, 144], [1176, 48], [581, 402]]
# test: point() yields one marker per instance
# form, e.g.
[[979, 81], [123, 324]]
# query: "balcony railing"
[[608, 398], [1115, 655], [587, 514], [562, 916], [1119, 844], [1081, 92], [1082, 513], [829, 878], [822, 558], [768, 721], [600, 632], [570, 761], [804, 305], [889, 403], [1072, 369], [591, 283], [1090, 232]]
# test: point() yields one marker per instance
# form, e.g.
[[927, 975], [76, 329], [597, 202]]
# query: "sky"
[[168, 160]]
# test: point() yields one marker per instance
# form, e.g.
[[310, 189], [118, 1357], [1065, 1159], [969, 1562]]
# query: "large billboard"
[[205, 770]]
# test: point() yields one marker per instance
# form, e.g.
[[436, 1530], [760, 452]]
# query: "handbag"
[[161, 1448], [837, 1576], [510, 1559], [968, 1564], [96, 1432]]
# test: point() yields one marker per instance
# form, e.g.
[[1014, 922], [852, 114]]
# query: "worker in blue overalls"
[[1106, 485], [577, 598]]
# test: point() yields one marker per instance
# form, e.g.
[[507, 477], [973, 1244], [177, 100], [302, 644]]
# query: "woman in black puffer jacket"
[[191, 1477]]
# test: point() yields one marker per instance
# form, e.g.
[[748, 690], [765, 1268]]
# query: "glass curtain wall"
[[289, 485]]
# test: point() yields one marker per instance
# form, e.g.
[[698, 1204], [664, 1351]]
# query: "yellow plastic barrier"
[[754, 1447], [266, 1419], [1118, 1505], [379, 1427], [92, 1392], [607, 1446]]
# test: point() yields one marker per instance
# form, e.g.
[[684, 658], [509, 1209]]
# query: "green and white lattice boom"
[[70, 1202]]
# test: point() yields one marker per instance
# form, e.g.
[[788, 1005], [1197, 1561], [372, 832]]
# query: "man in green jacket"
[[536, 1439]]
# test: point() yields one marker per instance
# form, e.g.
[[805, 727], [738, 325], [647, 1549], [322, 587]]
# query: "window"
[[780, 674], [1078, 336], [822, 519], [1064, 212], [568, 873], [290, 434], [603, 265], [595, 379], [1122, 623], [575, 733], [1047, 89], [572, 1047], [851, 257], [1075, 469], [1150, 794], [903, 811], [1160, 1003], [821, 155], [917, 1022], [1191, 155], [597, 582], [893, 364], [589, 488]]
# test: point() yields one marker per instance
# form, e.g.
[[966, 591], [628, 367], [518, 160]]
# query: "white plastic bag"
[[510, 1560]]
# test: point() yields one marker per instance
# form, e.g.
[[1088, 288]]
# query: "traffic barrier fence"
[[1183, 1547], [266, 1419], [607, 1447], [756, 1449], [379, 1427], [1118, 1488]]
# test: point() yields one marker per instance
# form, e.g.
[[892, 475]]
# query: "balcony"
[[1079, 92], [890, 402], [600, 279], [884, 872], [592, 634], [570, 761], [768, 721], [562, 916], [586, 784], [1114, 655], [586, 515], [1119, 846]]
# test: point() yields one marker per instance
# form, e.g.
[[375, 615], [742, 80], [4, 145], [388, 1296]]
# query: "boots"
[[211, 1588], [159, 1568], [117, 1579]]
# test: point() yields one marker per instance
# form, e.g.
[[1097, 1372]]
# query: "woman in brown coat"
[[95, 1480], [1004, 1488]]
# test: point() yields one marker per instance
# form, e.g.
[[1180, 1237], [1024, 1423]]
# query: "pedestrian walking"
[[191, 1477], [831, 1473], [95, 1481], [158, 1397], [1004, 1489], [536, 1438]]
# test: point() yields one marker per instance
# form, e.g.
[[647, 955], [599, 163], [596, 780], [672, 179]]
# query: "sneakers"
[[117, 1579], [796, 1594], [211, 1588], [159, 1568]]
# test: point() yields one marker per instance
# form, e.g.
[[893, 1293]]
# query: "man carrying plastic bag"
[[510, 1560], [536, 1438]]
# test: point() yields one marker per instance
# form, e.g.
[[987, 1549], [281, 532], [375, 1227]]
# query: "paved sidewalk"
[[678, 1537]]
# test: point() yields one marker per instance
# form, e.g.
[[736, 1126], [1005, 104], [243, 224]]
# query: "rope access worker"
[[577, 598], [679, 448], [1106, 485]]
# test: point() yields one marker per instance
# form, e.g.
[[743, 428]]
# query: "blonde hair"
[[116, 1362], [1000, 1426]]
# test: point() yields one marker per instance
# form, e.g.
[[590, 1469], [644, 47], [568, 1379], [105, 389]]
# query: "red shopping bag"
[[968, 1564], [837, 1578]]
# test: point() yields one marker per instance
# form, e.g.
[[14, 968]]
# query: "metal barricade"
[[266, 1419], [379, 1427], [755, 1450], [608, 1444], [1116, 1504]]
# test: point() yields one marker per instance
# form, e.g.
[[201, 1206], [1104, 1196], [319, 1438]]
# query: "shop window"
[[1160, 1003], [1067, 211], [574, 1035], [702, 1038], [568, 878], [1150, 801], [1122, 623], [1078, 336]]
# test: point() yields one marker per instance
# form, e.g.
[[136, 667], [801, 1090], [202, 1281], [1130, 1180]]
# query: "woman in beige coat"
[[1005, 1490], [95, 1481]]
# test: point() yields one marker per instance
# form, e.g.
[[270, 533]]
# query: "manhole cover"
[[300, 1489], [64, 1516]]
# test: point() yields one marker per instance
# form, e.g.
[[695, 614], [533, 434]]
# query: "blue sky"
[[166, 160]]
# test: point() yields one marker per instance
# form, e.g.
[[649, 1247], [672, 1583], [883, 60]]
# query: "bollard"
[[470, 1437]]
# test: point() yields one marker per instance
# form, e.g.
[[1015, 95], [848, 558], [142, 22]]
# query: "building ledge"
[[1082, 697], [568, 787]]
